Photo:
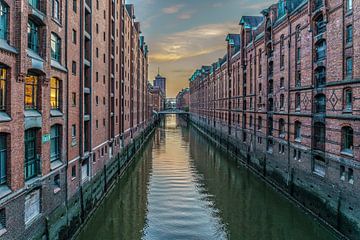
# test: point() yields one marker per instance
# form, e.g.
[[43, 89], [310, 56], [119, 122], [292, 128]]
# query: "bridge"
[[172, 111]]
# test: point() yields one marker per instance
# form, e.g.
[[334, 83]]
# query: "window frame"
[[4, 20], [3, 88], [33, 36], [55, 100], [3, 158], [55, 143], [55, 47], [33, 87]]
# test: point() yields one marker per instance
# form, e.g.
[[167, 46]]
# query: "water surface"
[[183, 187]]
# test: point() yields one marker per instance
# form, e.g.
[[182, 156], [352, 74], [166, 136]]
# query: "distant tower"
[[160, 82]]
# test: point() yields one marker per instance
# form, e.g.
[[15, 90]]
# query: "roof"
[[251, 21], [233, 39]]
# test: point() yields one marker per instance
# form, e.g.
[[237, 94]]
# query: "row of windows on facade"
[[32, 163], [31, 91]]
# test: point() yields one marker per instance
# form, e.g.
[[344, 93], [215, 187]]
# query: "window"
[[251, 121], [270, 125], [4, 18], [73, 171], [259, 123], [33, 36], [318, 4], [55, 93], [74, 36], [347, 135], [2, 219], [3, 158], [320, 103], [260, 62], [32, 167], [282, 100], [319, 166], [351, 176], [73, 131], [297, 34], [298, 54], [75, 5], [349, 5], [319, 136], [320, 77], [320, 50], [3, 77], [55, 47], [32, 206], [73, 68], [56, 9], [349, 67], [31, 92], [342, 173], [55, 145], [281, 128], [282, 82], [320, 25], [73, 99], [35, 3], [348, 99], [297, 131], [298, 78], [349, 34]]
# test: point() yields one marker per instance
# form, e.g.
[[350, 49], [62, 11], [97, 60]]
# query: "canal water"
[[183, 187]]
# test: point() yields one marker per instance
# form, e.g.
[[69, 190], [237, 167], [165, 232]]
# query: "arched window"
[[320, 103], [33, 36], [259, 123], [320, 76], [271, 86], [318, 4], [32, 162], [348, 99], [55, 47], [270, 126], [55, 143], [297, 36], [3, 158], [31, 92], [3, 81], [55, 93], [320, 24], [282, 100], [56, 9], [297, 131], [281, 128], [271, 105], [282, 57], [320, 48], [4, 20], [319, 136], [347, 135]]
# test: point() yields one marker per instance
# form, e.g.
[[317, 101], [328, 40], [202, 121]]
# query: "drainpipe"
[[67, 104], [288, 107]]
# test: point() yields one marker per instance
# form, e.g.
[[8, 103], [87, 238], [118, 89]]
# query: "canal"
[[183, 187]]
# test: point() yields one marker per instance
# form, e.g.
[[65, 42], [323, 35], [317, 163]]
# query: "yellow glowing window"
[[3, 73], [55, 93], [31, 92]]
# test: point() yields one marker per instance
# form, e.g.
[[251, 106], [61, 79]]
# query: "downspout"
[[288, 105]]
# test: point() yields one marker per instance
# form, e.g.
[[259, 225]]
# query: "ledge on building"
[[56, 113], [58, 66], [4, 191], [32, 119], [55, 165], [4, 45], [4, 117]]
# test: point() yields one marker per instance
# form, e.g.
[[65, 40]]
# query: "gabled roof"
[[233, 39], [251, 21]]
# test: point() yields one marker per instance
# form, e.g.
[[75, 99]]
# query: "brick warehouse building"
[[73, 95], [288, 89]]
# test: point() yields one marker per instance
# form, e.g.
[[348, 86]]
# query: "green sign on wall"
[[46, 138]]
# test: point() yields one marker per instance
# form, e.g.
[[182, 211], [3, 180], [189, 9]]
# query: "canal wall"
[[336, 207], [66, 221]]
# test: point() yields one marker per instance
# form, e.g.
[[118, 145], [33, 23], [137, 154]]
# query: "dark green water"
[[182, 187]]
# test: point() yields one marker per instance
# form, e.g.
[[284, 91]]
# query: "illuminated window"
[[31, 92], [55, 94], [3, 76]]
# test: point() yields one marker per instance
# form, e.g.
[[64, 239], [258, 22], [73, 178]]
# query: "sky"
[[183, 35]]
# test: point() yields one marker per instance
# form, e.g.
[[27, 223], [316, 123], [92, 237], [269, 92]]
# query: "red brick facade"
[[288, 91], [73, 94]]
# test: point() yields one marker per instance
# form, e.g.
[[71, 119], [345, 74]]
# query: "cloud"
[[172, 9], [185, 16], [197, 41]]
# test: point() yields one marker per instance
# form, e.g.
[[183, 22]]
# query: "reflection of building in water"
[[123, 214]]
